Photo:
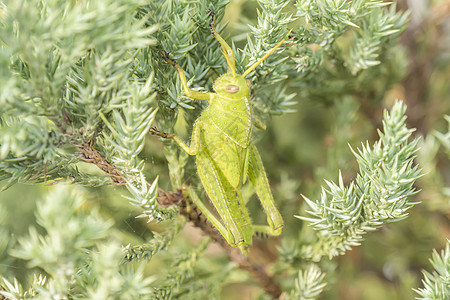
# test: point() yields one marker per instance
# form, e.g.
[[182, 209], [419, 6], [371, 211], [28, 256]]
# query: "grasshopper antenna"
[[227, 52], [263, 58]]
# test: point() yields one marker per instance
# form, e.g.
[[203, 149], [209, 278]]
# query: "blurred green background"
[[299, 151]]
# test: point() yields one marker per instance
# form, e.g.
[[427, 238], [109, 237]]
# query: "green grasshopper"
[[226, 156]]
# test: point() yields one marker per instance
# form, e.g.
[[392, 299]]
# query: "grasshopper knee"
[[278, 230], [239, 243]]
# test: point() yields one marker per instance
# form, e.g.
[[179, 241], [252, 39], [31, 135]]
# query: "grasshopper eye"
[[249, 84], [231, 89]]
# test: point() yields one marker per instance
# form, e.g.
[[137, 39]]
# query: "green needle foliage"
[[379, 194], [437, 284], [76, 253], [309, 284], [444, 139], [158, 243], [181, 270], [92, 207]]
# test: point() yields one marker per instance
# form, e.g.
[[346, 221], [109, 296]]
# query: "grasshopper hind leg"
[[228, 202], [258, 178]]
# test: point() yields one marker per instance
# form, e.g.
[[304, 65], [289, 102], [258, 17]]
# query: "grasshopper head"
[[230, 86]]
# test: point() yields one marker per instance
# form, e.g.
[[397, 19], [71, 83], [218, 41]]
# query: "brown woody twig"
[[90, 155]]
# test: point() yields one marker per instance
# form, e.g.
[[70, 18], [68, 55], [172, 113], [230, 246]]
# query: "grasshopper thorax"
[[230, 86]]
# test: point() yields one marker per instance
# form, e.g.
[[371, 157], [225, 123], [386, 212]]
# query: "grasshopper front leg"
[[258, 123], [190, 93]]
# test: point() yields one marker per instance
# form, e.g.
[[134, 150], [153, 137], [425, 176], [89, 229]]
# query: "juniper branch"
[[309, 284], [437, 284], [160, 242], [181, 270], [379, 195]]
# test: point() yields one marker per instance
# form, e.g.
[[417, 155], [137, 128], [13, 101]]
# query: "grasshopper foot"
[[165, 56], [213, 20], [155, 131]]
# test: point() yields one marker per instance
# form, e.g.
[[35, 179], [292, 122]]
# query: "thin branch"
[[90, 155], [87, 152]]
